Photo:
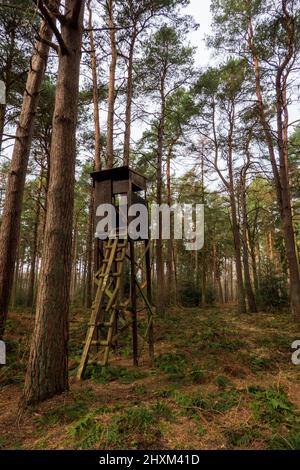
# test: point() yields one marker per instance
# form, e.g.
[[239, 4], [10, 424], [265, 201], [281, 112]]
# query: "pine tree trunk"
[[238, 262], [248, 285], [225, 281], [47, 372], [253, 259], [16, 280], [74, 263], [170, 262], [2, 122], [30, 297], [97, 157], [203, 278], [89, 276], [97, 165], [235, 226], [111, 89], [160, 301], [281, 174], [10, 227], [127, 134], [8, 77]]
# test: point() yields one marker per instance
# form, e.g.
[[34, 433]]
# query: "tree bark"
[[8, 76], [127, 134], [111, 88], [16, 279], [47, 372], [97, 162], [171, 262], [10, 227], [89, 283], [237, 249], [248, 284], [159, 243], [2, 122], [235, 223], [251, 240], [97, 156], [74, 262], [230, 186], [30, 297], [281, 174]]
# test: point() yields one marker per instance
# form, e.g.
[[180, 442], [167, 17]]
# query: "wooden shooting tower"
[[111, 314]]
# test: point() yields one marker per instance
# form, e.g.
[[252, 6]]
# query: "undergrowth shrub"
[[271, 406], [189, 295], [210, 295], [171, 362], [272, 293], [133, 428], [107, 374]]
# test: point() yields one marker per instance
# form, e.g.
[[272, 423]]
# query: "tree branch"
[[76, 12], [49, 19], [48, 43]]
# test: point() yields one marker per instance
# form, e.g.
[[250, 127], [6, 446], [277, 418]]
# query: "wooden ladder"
[[106, 303]]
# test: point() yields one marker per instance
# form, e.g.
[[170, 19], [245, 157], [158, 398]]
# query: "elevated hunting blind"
[[111, 313], [110, 188]]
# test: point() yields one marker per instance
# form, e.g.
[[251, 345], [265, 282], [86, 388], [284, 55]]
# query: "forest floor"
[[220, 381]]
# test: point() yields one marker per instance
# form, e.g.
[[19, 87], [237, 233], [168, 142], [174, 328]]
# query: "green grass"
[[275, 341], [213, 402], [241, 436], [3, 441], [64, 414], [104, 375], [222, 382], [216, 337], [289, 441], [86, 432], [133, 428], [165, 392], [177, 367], [197, 375], [173, 363], [230, 345], [256, 363], [140, 390]]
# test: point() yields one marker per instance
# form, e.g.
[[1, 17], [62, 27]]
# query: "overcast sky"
[[200, 10]]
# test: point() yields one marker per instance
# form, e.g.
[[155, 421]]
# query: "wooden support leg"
[[115, 331], [149, 296], [133, 305], [98, 245]]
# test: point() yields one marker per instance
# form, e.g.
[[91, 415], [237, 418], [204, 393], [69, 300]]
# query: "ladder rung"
[[110, 274], [94, 343], [94, 362], [108, 324], [104, 342]]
